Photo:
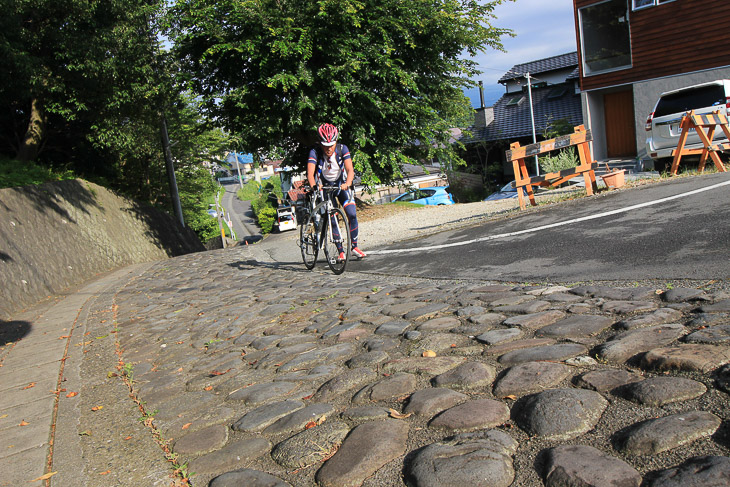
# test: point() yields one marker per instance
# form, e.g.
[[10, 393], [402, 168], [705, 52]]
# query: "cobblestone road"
[[253, 375]]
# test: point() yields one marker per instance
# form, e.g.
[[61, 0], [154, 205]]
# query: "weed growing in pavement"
[[128, 371], [147, 416]]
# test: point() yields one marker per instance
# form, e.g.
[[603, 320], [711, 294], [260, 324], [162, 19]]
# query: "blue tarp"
[[242, 158]]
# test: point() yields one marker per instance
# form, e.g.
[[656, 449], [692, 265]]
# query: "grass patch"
[[15, 173]]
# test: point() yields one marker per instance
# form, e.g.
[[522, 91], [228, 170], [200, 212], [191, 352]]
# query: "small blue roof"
[[242, 158]]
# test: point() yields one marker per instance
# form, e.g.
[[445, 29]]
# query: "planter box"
[[614, 179]]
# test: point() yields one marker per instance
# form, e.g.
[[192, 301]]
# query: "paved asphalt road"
[[676, 235]]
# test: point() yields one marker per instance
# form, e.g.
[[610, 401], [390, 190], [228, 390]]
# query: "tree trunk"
[[29, 148]]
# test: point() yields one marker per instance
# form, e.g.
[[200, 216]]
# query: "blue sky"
[[543, 28]]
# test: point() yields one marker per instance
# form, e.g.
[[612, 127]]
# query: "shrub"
[[565, 159], [266, 217], [264, 201]]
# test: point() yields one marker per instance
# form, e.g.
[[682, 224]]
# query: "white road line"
[[552, 225]]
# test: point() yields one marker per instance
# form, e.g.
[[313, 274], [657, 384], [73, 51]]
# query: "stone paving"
[[258, 375]]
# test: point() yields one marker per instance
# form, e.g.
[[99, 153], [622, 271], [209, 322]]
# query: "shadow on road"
[[12, 331], [251, 239], [287, 266]]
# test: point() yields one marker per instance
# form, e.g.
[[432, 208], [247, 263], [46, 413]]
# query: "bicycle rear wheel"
[[336, 240], [308, 241]]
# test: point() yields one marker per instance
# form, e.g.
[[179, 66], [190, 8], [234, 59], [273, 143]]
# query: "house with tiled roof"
[[555, 96]]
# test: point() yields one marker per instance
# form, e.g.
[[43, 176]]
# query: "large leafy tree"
[[67, 63], [85, 85], [389, 73]]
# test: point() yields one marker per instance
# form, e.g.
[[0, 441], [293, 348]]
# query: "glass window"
[[605, 37], [692, 99], [639, 4]]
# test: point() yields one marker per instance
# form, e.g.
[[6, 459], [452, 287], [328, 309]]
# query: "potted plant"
[[614, 178]]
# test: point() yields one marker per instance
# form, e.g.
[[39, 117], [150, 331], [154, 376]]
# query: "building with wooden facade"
[[630, 51]]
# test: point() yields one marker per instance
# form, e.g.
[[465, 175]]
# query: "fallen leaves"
[[72, 394], [24, 423], [97, 408], [44, 477], [428, 353], [187, 425], [397, 415], [105, 473], [216, 372], [32, 384]]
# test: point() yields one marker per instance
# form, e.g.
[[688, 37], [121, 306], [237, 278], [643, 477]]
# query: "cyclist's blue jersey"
[[317, 157]]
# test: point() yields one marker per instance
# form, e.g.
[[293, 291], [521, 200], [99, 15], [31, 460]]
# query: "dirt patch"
[[366, 213]]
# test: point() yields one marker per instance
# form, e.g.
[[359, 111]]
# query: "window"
[[639, 4], [557, 92], [691, 99], [514, 101], [605, 37]]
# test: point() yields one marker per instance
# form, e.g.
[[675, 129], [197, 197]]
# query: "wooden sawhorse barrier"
[[586, 167], [692, 121]]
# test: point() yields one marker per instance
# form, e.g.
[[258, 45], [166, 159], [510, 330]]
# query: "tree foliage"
[[84, 87], [389, 73]]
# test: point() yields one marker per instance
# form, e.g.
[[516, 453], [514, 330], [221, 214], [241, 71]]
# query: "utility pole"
[[164, 136], [532, 118], [170, 167], [238, 170]]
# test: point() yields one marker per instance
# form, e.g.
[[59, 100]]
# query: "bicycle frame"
[[326, 234]]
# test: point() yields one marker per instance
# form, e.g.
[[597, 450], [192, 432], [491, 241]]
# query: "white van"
[[285, 219], [662, 126]]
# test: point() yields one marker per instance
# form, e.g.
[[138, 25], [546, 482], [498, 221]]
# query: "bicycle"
[[325, 225]]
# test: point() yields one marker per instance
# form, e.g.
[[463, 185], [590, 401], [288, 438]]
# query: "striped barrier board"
[[523, 182], [705, 126]]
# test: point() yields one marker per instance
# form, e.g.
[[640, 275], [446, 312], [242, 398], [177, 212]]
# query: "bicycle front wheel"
[[337, 240], [308, 235]]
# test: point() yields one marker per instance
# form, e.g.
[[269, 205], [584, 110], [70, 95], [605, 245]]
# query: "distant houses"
[[554, 99]]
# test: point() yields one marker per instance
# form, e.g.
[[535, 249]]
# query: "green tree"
[[85, 87], [67, 60], [389, 73]]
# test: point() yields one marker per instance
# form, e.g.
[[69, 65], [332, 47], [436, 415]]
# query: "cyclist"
[[331, 162]]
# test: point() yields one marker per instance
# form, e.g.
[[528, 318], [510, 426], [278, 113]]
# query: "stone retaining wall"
[[61, 234]]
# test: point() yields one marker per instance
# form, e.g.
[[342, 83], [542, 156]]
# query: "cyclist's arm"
[[311, 169], [350, 172]]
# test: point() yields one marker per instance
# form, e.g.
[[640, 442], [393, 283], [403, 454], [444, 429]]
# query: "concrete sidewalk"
[[37, 376]]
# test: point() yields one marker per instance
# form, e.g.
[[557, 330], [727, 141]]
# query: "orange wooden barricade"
[[586, 167], [692, 121]]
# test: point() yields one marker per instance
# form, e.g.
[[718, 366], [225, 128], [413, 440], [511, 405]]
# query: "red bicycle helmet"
[[328, 134]]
